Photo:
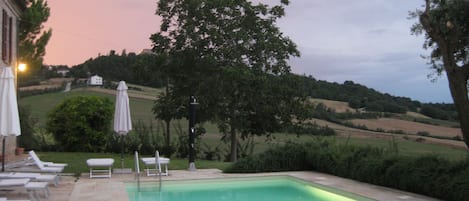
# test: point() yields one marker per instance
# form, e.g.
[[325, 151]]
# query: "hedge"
[[428, 175]]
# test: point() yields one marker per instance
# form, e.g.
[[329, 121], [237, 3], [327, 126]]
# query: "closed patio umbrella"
[[9, 117], [122, 120]]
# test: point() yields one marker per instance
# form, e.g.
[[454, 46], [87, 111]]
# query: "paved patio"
[[104, 189]]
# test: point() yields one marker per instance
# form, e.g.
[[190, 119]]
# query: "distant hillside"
[[358, 96], [147, 70]]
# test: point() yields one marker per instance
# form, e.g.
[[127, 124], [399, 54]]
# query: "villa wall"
[[10, 146], [9, 12]]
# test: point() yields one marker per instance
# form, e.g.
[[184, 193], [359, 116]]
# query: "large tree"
[[445, 24], [228, 54], [31, 35]]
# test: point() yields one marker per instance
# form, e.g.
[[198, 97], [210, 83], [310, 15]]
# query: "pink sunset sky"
[[83, 29], [367, 41]]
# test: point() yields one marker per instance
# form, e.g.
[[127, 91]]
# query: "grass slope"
[[41, 105], [141, 109]]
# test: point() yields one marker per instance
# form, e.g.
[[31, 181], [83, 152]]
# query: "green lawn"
[[77, 161]]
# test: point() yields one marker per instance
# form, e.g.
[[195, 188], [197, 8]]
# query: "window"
[[7, 43]]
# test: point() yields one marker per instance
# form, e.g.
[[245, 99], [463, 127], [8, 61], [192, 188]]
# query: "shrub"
[[143, 138], [380, 130], [423, 133], [212, 153], [457, 137], [182, 148], [289, 157], [34, 92], [27, 139], [396, 131], [81, 123]]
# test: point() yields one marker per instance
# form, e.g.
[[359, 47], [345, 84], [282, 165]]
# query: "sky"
[[366, 41]]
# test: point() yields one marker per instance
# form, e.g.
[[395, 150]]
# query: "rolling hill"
[[377, 132]]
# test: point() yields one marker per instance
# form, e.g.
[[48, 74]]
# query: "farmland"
[[141, 102]]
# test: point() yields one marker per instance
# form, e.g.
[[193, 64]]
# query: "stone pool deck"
[[105, 189]]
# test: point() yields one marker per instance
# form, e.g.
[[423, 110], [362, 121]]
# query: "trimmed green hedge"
[[427, 175], [287, 158]]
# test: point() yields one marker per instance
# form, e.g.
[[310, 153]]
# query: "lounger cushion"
[[151, 160], [100, 162], [13, 182], [97, 163], [52, 169], [34, 176]]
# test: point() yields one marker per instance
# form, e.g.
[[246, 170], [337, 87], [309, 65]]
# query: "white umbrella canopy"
[[122, 120], [9, 117]]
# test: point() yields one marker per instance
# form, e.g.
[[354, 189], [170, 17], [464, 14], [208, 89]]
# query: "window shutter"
[[4, 35], [10, 40]]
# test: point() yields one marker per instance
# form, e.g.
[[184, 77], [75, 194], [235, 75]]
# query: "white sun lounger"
[[38, 161], [30, 187], [5, 199], [151, 162], [50, 178], [42, 167], [100, 167]]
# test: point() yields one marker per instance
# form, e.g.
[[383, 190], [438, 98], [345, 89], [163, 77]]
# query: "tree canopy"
[[233, 58], [445, 26], [31, 35]]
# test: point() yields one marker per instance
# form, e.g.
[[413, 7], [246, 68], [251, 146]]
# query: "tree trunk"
[[169, 121], [458, 88], [234, 146], [167, 133], [457, 75]]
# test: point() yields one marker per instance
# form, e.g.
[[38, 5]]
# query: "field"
[[338, 106], [408, 127], [41, 105], [141, 103]]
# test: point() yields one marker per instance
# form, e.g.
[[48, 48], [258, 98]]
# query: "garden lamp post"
[[192, 104]]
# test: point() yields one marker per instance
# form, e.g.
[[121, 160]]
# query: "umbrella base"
[[122, 171], [192, 167]]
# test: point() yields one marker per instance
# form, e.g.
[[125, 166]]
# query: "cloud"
[[367, 41]]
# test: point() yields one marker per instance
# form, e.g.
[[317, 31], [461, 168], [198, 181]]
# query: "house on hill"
[[146, 51], [95, 80], [11, 11], [62, 70]]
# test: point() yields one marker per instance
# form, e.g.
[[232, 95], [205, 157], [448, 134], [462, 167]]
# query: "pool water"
[[275, 188]]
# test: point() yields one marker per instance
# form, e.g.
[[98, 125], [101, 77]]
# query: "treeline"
[[147, 70], [362, 97], [142, 69]]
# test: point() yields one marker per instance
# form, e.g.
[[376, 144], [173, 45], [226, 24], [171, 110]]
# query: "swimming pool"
[[273, 188]]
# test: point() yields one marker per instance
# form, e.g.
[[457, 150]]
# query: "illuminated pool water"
[[240, 189]]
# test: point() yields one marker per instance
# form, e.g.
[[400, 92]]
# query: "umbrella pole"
[[3, 155], [122, 151]]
